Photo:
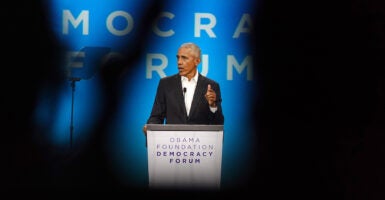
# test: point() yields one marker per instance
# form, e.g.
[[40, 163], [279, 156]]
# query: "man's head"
[[188, 58]]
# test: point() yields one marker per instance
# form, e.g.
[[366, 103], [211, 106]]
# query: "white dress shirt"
[[190, 86]]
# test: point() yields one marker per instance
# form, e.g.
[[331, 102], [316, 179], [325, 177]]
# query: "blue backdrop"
[[96, 32]]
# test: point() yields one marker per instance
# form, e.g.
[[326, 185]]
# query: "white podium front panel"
[[189, 158]]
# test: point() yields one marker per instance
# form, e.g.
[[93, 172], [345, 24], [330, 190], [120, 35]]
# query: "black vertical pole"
[[72, 111], [73, 80]]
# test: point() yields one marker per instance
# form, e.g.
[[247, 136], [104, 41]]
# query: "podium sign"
[[184, 156]]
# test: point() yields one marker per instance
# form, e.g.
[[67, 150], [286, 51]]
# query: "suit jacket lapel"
[[179, 94], [199, 92]]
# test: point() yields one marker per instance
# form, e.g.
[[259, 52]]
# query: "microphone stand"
[[73, 81]]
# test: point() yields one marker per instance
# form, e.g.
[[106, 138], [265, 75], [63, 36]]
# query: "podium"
[[184, 156]]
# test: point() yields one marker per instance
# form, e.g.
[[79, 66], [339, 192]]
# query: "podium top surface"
[[183, 127]]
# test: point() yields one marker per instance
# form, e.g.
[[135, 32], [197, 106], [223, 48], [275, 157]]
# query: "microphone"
[[184, 92], [184, 96]]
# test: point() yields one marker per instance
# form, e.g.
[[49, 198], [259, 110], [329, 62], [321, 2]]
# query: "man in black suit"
[[187, 97]]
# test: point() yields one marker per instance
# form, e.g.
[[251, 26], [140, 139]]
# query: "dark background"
[[320, 114], [321, 120]]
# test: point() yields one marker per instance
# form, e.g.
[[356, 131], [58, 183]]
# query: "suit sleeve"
[[158, 111], [217, 118]]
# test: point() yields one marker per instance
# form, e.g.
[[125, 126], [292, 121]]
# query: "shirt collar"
[[195, 78]]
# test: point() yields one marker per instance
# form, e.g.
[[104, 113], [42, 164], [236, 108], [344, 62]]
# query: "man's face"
[[187, 62]]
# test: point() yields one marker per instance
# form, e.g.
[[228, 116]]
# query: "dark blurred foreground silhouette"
[[320, 115]]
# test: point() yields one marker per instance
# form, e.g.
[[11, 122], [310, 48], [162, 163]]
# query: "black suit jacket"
[[169, 106]]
